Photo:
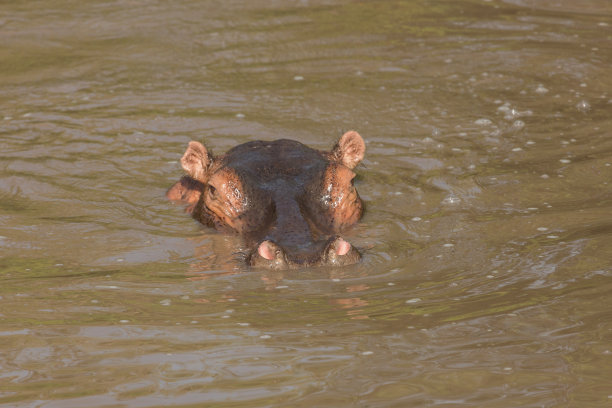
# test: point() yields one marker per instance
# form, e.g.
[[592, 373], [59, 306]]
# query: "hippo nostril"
[[267, 250], [342, 247], [268, 255], [339, 252]]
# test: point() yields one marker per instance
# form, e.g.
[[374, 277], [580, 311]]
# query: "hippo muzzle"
[[334, 252]]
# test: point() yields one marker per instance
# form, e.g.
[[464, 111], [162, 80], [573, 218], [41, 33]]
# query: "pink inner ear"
[[342, 247], [196, 160], [265, 250], [351, 149]]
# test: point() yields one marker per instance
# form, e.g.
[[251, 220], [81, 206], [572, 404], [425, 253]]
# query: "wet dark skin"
[[288, 201]]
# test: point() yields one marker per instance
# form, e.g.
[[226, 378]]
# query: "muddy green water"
[[487, 239]]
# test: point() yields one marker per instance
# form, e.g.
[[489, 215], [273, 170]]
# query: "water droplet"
[[451, 199], [583, 106], [505, 108], [518, 124], [448, 245], [414, 300], [416, 219], [565, 161], [483, 122]]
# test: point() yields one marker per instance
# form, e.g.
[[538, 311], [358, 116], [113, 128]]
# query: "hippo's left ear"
[[349, 150]]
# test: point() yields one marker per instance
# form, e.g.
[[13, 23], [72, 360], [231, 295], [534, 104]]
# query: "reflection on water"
[[486, 268]]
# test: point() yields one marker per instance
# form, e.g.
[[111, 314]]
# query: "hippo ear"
[[349, 150], [196, 161]]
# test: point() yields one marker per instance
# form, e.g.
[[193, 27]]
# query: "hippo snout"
[[334, 252]]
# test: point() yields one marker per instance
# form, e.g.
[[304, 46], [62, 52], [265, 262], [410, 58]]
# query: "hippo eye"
[[212, 191]]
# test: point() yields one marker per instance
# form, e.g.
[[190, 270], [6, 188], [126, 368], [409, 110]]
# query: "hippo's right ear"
[[349, 150], [197, 161]]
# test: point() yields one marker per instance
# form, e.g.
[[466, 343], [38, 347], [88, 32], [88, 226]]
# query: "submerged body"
[[287, 200]]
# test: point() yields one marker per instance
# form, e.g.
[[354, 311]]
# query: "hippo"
[[288, 201]]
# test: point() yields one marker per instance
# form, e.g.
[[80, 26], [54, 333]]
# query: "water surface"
[[486, 273]]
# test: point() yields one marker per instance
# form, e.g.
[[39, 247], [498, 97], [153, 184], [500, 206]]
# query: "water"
[[486, 239]]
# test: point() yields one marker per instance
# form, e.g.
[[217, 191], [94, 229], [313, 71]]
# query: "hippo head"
[[288, 201]]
